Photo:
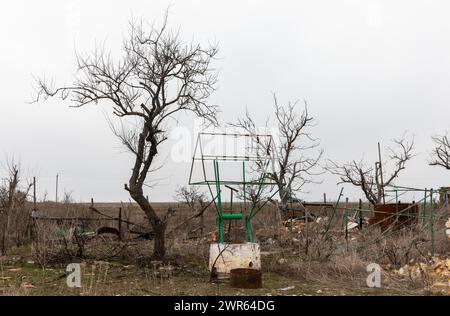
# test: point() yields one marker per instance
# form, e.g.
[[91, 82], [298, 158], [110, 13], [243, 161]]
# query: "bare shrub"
[[52, 245], [197, 203]]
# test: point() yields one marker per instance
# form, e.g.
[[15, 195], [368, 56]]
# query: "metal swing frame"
[[215, 185]]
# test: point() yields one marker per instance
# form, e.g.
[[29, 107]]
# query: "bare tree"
[[14, 216], [368, 178], [196, 201], [296, 165], [440, 155], [192, 196], [158, 76], [253, 193]]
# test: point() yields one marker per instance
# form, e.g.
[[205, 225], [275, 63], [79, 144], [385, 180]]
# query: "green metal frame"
[[216, 185], [222, 216]]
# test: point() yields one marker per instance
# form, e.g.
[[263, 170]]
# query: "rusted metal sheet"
[[108, 230], [246, 278], [398, 214]]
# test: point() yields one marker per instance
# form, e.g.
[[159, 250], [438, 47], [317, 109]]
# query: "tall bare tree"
[[196, 201], [296, 164], [14, 216], [192, 196], [372, 180], [157, 77], [440, 155]]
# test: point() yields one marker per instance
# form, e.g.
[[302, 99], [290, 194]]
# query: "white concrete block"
[[226, 257]]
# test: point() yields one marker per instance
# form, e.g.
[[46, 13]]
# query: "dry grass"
[[317, 265]]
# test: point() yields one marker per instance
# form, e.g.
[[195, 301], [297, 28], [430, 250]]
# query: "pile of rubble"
[[435, 275], [295, 225]]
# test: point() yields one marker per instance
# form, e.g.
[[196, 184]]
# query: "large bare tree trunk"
[[284, 199], [159, 226], [159, 249]]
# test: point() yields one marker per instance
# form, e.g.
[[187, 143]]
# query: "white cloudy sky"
[[369, 70]]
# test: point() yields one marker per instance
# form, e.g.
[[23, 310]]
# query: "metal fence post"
[[424, 208], [120, 223], [432, 222], [346, 228]]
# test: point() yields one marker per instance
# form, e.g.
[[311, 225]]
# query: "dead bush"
[[52, 244]]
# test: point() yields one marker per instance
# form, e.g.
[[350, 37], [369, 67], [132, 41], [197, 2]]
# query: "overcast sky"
[[369, 70]]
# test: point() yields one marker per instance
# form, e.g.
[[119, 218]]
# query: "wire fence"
[[424, 217]]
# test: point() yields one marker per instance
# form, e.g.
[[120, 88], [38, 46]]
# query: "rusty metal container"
[[246, 278], [398, 214]]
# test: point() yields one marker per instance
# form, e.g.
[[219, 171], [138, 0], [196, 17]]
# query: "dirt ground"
[[20, 275]]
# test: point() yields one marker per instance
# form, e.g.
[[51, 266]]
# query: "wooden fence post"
[[360, 214], [120, 223], [306, 230], [34, 213], [34, 193]]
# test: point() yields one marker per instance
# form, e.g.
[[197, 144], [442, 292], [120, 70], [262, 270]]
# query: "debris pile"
[[352, 225], [166, 271], [161, 270], [294, 224], [414, 272], [212, 236], [435, 275], [282, 261]]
